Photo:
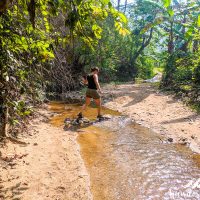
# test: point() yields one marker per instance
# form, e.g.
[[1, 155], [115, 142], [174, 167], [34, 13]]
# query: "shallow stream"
[[126, 161]]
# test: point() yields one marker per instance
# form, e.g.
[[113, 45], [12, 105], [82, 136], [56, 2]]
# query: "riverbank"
[[49, 163], [47, 166], [156, 110]]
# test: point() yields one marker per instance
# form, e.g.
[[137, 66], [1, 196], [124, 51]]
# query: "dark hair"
[[94, 69]]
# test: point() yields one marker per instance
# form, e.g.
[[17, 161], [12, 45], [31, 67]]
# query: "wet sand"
[[156, 110]]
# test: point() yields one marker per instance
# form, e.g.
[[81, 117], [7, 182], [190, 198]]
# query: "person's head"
[[95, 70]]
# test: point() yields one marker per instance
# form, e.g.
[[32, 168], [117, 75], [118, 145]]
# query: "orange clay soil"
[[158, 111]]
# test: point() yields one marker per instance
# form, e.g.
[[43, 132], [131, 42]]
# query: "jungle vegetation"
[[47, 45]]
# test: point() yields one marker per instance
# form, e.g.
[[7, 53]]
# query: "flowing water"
[[129, 162]]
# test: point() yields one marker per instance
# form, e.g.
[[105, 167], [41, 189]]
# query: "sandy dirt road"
[[49, 167], [156, 110]]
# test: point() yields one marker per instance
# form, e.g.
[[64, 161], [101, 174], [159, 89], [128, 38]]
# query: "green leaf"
[[15, 121], [45, 13], [94, 27], [189, 32], [166, 3], [110, 5], [124, 32], [198, 21], [27, 112], [122, 18], [170, 11], [51, 55], [105, 2], [118, 25], [97, 31]]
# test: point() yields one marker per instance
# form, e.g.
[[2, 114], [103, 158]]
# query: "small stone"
[[12, 164], [182, 139], [193, 137], [184, 143], [35, 144], [170, 139], [67, 120]]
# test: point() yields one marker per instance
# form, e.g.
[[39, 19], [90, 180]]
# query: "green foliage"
[[32, 34], [47, 45], [166, 3], [145, 71], [181, 72]]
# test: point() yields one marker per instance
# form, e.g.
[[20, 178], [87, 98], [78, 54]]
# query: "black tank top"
[[91, 83]]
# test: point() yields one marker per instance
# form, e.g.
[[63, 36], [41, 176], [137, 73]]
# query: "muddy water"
[[71, 110], [129, 162]]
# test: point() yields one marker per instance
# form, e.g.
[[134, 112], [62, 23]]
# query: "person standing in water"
[[93, 92]]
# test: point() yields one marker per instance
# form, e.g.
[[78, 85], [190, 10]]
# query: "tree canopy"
[[46, 46]]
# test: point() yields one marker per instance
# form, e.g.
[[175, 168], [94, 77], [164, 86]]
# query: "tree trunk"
[[4, 129], [184, 47], [133, 58], [3, 96], [3, 6], [195, 46], [171, 40], [125, 6], [145, 43]]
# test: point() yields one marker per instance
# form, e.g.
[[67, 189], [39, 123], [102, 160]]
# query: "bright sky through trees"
[[122, 2]]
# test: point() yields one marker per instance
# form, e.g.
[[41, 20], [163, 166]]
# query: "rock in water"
[[81, 121], [67, 120], [86, 120], [107, 116]]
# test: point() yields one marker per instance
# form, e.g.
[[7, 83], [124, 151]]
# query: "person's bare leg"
[[98, 103], [87, 103]]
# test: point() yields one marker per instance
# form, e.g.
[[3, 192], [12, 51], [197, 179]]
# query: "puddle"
[[129, 162]]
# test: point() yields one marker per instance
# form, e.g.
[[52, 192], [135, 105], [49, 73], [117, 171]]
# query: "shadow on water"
[[129, 162]]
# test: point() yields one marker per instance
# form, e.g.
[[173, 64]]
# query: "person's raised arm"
[[97, 82]]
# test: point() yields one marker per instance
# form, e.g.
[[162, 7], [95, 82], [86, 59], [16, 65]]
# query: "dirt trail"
[[156, 110], [49, 167]]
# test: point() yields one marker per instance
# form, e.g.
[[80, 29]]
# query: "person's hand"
[[100, 91]]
